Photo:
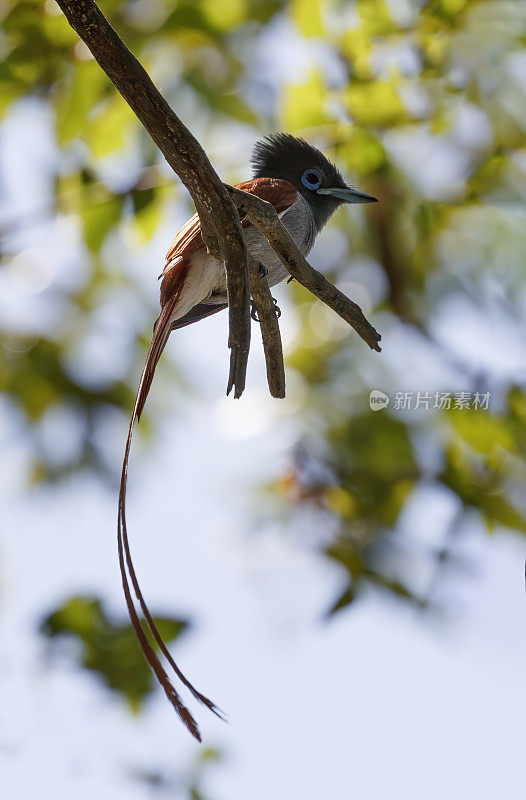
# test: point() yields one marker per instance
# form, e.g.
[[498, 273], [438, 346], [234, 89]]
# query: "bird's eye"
[[311, 179]]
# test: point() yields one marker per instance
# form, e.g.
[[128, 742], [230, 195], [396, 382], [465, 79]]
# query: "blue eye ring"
[[311, 179]]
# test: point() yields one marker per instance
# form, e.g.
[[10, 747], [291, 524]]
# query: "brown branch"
[[220, 225], [268, 320], [263, 215]]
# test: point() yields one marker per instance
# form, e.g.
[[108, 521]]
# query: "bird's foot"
[[254, 313], [262, 270]]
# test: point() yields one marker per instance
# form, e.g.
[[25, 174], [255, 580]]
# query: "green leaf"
[[108, 649], [375, 104], [110, 127], [75, 101], [226, 15], [497, 510], [362, 152], [485, 433], [375, 16], [148, 205], [307, 15], [345, 599], [221, 99], [99, 218], [10, 90], [303, 104], [40, 380], [480, 487]]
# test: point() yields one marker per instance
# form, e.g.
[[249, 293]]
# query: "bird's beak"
[[349, 195]]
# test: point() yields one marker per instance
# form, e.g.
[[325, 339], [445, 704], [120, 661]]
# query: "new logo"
[[378, 400]]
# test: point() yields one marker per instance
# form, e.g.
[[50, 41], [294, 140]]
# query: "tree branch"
[[216, 205], [263, 215], [268, 320], [220, 225]]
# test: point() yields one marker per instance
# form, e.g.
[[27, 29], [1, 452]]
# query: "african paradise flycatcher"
[[305, 189]]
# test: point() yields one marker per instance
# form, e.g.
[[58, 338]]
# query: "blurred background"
[[347, 583]]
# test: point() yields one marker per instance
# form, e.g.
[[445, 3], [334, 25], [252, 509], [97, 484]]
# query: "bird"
[[305, 188]]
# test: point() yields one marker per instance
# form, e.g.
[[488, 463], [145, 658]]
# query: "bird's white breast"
[[299, 222]]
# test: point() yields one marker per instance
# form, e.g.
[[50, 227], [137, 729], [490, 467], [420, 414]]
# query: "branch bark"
[[263, 215], [268, 320], [220, 224]]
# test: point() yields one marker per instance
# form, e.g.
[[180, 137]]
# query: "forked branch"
[[263, 215]]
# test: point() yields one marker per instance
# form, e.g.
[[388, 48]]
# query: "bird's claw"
[[254, 313], [262, 270]]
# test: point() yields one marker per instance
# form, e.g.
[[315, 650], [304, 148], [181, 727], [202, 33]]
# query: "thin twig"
[[263, 215]]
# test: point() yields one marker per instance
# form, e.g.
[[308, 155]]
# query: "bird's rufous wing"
[[281, 194]]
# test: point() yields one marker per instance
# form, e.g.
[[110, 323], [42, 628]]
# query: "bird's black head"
[[281, 155]]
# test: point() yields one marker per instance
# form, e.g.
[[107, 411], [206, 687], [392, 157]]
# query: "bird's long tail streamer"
[[159, 339]]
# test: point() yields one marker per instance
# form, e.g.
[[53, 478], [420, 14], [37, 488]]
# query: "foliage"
[[429, 82], [194, 51], [107, 648], [422, 103]]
